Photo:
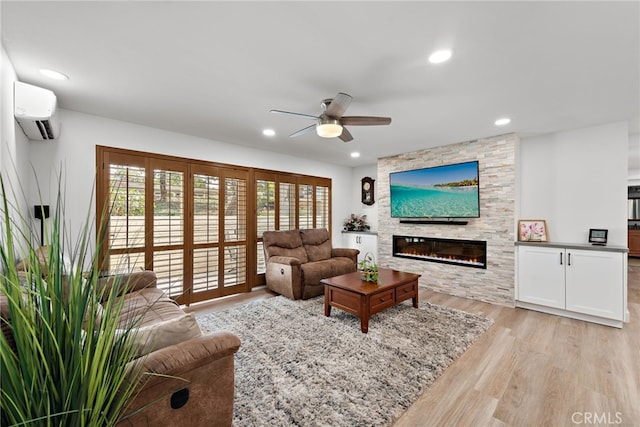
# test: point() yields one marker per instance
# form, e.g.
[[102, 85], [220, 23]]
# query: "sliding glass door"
[[198, 225]]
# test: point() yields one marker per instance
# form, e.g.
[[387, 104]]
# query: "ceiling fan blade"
[[338, 105], [295, 114], [365, 120], [303, 131], [345, 135]]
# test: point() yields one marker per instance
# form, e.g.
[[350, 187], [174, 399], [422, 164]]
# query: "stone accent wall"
[[497, 223]]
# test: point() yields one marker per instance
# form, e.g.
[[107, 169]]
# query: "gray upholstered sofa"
[[296, 261]]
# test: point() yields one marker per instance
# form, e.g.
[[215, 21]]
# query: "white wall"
[[577, 180], [14, 165], [634, 159], [73, 154], [355, 196]]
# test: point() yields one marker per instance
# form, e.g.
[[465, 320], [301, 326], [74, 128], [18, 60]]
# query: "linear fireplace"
[[468, 253]]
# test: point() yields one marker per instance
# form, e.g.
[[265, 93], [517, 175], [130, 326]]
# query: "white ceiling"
[[215, 69]]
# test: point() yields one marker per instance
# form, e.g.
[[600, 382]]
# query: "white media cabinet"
[[365, 241], [579, 281]]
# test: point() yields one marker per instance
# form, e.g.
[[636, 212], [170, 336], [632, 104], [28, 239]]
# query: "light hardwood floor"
[[529, 369]]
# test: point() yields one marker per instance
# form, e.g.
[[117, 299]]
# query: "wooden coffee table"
[[364, 299]]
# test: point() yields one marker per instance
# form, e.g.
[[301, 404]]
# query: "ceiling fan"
[[331, 122]]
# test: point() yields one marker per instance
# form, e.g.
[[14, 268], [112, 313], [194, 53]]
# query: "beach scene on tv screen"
[[449, 191]]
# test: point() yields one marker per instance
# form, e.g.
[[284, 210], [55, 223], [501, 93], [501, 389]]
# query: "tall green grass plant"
[[69, 367]]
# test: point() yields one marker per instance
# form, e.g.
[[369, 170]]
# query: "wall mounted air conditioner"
[[35, 111]]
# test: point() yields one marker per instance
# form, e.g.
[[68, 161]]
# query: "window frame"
[[190, 167]]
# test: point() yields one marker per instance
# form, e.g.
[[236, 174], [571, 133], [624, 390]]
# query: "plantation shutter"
[[206, 231], [322, 207], [235, 230], [265, 216], [305, 206], [192, 222], [287, 206], [125, 209], [169, 228]]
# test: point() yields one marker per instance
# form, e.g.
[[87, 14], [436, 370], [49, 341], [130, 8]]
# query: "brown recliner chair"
[[296, 261]]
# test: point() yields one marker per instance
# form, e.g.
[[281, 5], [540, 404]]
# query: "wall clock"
[[367, 190]]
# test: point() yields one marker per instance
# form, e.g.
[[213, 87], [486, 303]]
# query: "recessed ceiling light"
[[440, 56], [355, 154], [53, 74], [503, 121], [268, 132]]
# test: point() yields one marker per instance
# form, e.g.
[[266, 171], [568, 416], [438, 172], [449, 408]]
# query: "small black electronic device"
[[41, 212], [598, 236]]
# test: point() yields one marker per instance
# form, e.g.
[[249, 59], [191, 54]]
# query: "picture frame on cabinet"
[[532, 230]]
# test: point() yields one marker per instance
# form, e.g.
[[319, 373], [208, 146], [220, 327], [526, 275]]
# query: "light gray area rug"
[[296, 367]]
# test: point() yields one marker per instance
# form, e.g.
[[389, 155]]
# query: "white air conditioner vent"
[[35, 112]]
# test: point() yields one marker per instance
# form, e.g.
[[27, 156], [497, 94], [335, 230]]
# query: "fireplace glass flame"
[[469, 253]]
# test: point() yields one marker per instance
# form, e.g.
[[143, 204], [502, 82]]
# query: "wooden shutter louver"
[[287, 206], [235, 231], [168, 230], [126, 217], [206, 232]]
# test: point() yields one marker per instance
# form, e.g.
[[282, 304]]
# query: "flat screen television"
[[449, 191]]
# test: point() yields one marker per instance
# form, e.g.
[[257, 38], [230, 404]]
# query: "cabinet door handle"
[[569, 258], [560, 258]]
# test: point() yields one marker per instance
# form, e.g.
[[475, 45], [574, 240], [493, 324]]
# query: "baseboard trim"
[[570, 314]]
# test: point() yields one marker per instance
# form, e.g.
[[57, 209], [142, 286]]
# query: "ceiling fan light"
[[56, 75], [440, 56], [329, 129]]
